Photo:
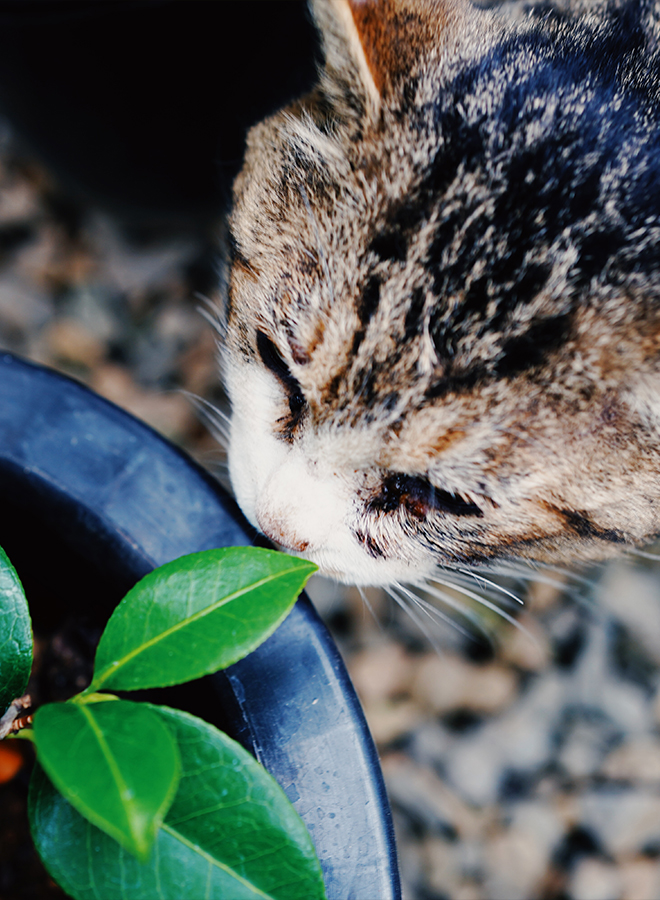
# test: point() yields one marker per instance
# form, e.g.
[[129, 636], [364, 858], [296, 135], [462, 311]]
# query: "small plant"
[[132, 800]]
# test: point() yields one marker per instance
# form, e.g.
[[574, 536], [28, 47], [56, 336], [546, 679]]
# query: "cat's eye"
[[272, 360], [419, 497]]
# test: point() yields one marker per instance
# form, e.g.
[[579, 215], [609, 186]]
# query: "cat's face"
[[425, 363]]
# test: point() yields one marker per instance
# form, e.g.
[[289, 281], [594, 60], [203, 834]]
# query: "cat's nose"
[[278, 530]]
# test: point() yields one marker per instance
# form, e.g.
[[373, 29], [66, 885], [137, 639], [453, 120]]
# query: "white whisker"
[[493, 584], [511, 571], [369, 606], [528, 571], [410, 611], [644, 554], [217, 461], [493, 607], [209, 311], [431, 610], [218, 422]]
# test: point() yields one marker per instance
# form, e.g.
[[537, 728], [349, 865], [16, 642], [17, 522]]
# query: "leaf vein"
[[214, 862], [180, 625]]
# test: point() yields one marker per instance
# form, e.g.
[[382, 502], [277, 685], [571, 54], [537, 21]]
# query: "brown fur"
[[443, 314]]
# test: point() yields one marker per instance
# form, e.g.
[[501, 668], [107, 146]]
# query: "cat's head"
[[441, 335]]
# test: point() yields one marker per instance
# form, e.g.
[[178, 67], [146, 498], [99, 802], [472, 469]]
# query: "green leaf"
[[230, 833], [15, 635], [117, 763], [196, 615]]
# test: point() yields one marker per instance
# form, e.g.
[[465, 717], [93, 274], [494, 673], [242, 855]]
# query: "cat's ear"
[[375, 44]]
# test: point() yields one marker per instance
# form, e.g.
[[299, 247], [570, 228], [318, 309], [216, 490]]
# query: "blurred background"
[[522, 759]]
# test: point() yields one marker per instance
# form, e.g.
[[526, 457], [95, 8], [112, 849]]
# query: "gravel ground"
[[526, 765]]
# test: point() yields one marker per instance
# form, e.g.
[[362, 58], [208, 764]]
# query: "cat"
[[441, 334]]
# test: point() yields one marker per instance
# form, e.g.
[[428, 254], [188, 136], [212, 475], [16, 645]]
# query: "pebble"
[[625, 821], [134, 270], [640, 878], [595, 879], [526, 648], [519, 741], [69, 341], [632, 595], [382, 672], [170, 414], [636, 760], [444, 682], [22, 308], [516, 863], [19, 202]]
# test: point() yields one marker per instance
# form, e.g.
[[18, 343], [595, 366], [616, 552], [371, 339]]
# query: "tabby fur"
[[442, 328]]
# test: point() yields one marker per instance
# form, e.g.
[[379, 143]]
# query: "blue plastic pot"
[[90, 493]]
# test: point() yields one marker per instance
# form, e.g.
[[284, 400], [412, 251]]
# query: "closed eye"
[[272, 360], [419, 497]]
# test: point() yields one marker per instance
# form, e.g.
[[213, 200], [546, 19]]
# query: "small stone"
[[519, 740], [443, 869], [430, 800], [93, 306], [446, 682], [527, 649], [51, 261], [200, 370], [19, 202], [516, 863], [381, 672], [389, 721], [69, 341], [170, 414], [135, 271], [640, 879], [542, 595], [632, 595], [595, 879], [585, 742], [625, 821], [638, 759], [22, 308]]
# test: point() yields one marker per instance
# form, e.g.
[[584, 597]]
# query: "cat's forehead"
[[452, 243]]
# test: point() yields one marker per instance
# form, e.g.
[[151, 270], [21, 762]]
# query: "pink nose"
[[276, 529]]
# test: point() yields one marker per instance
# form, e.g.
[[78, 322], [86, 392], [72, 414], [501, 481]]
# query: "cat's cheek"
[[280, 491], [249, 452]]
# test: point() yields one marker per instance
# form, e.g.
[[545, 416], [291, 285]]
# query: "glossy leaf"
[[196, 615], [15, 635], [116, 762], [230, 833]]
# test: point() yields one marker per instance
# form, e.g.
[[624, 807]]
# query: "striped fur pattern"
[[442, 323]]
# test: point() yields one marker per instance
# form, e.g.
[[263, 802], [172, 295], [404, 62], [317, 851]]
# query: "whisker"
[[510, 570], [206, 406], [529, 572], [213, 460], [218, 422], [571, 575], [644, 554], [499, 589], [209, 311], [464, 577], [410, 611], [369, 606], [454, 604], [493, 607]]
